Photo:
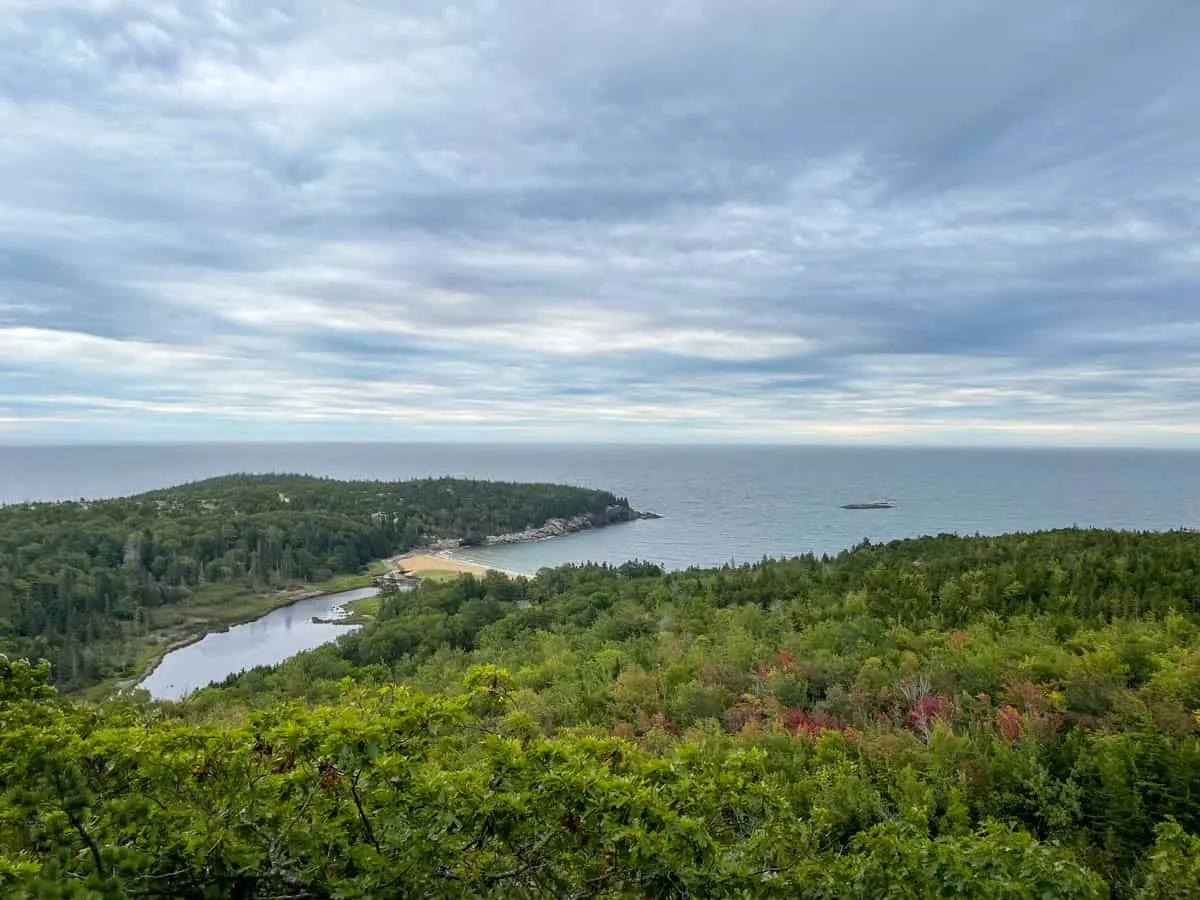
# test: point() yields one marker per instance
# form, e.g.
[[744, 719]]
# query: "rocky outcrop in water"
[[561, 527], [552, 528]]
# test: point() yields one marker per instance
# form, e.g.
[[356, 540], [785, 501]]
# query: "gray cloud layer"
[[894, 219]]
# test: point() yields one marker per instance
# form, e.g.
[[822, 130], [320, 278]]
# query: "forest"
[[968, 717], [82, 582]]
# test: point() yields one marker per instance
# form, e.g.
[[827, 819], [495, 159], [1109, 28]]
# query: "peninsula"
[[436, 560], [115, 582]]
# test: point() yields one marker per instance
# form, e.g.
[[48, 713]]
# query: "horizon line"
[[578, 443]]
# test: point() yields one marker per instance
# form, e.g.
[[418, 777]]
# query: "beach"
[[426, 564]]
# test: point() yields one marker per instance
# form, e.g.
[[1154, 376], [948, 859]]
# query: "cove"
[[266, 641]]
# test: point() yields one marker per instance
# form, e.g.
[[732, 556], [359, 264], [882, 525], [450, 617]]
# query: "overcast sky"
[[915, 221]]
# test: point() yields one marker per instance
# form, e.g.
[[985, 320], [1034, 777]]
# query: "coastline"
[[553, 528], [436, 560], [419, 563], [441, 556]]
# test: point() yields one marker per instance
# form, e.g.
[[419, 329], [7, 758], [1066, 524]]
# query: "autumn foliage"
[[1014, 717]]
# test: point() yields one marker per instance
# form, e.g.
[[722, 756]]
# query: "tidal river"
[[263, 642]]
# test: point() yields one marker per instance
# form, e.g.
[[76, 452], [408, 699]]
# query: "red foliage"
[[1008, 724], [810, 724], [784, 661], [924, 712], [1038, 717]]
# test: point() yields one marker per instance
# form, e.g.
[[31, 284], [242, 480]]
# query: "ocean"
[[719, 503]]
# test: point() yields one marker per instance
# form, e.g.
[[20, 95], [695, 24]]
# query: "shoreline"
[[463, 566], [156, 660], [444, 561], [559, 527], [449, 549], [443, 556], [435, 558]]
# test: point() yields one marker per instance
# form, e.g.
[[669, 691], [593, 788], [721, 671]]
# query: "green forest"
[[967, 717], [91, 586]]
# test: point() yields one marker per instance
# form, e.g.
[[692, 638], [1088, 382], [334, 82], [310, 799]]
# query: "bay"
[[720, 503]]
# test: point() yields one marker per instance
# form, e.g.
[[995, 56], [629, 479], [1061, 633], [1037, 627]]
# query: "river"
[[266, 641]]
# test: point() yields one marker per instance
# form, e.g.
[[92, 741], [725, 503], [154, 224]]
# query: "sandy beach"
[[426, 563]]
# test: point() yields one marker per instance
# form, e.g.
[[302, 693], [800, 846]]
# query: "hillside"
[[1010, 717], [96, 587]]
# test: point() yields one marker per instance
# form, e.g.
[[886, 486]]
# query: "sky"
[[812, 221]]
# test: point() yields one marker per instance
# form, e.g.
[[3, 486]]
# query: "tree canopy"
[[1011, 717], [80, 580]]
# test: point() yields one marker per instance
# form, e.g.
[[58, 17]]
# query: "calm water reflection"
[[263, 642]]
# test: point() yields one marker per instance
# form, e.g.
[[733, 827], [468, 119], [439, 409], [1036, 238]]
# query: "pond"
[[264, 642]]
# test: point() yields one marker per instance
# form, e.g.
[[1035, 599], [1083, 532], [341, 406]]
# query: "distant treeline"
[[78, 578]]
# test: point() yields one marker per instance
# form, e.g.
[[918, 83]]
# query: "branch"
[[523, 854], [368, 831], [277, 866], [87, 839]]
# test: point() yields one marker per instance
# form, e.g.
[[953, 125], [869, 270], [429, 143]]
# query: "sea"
[[719, 504]]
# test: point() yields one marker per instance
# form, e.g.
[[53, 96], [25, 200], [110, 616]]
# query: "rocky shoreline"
[[552, 528], [562, 527]]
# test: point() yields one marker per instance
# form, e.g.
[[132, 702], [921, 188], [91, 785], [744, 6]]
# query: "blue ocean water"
[[720, 503]]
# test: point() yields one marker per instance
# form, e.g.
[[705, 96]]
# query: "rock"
[[561, 527], [550, 529], [397, 578]]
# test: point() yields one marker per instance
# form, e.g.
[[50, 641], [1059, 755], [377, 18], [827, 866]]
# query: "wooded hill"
[[1012, 717], [80, 580]]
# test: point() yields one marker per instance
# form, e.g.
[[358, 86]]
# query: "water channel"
[[264, 642]]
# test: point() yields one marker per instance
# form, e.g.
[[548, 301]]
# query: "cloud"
[[900, 220]]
